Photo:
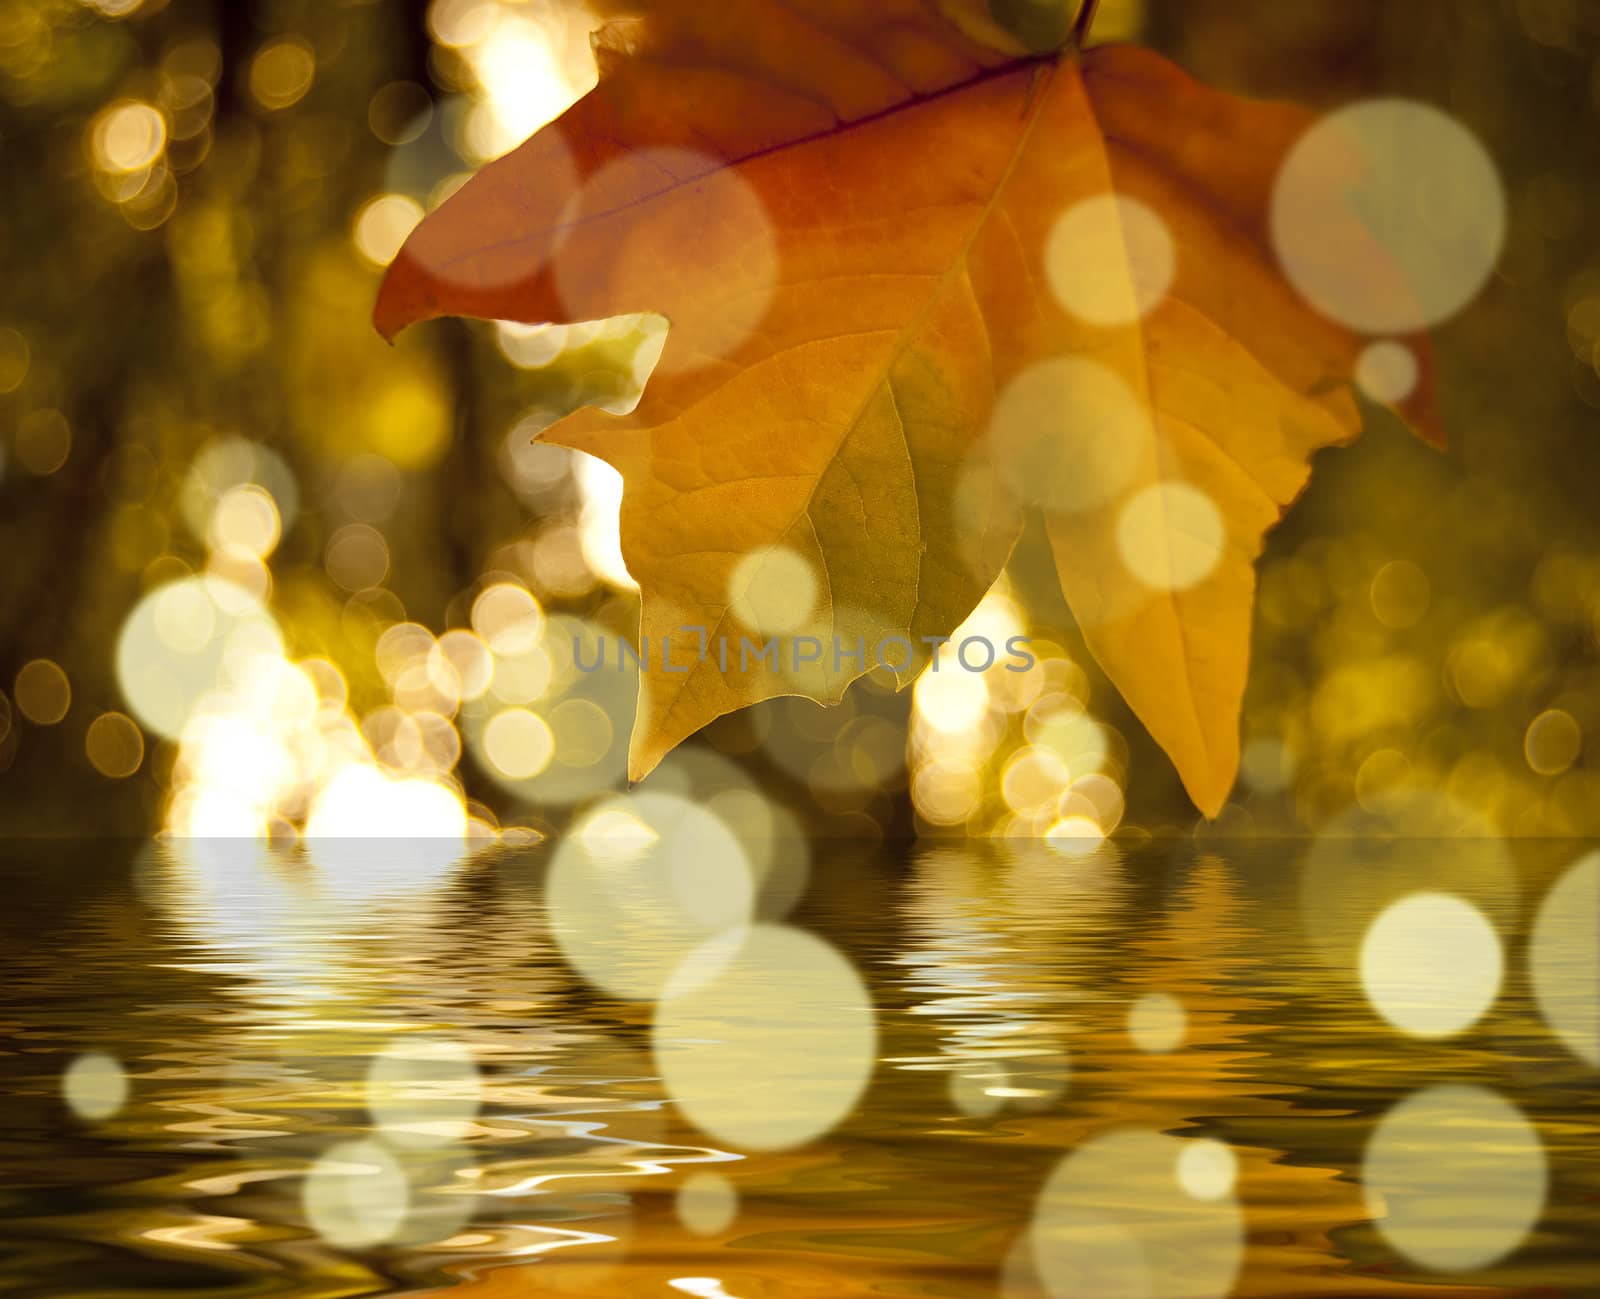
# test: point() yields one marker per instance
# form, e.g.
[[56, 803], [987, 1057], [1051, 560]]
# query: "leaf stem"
[[1080, 29]]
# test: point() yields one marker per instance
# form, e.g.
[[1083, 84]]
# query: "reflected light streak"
[[206, 1232], [705, 1287]]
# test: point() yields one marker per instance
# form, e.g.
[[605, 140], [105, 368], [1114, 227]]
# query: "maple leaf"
[[916, 285]]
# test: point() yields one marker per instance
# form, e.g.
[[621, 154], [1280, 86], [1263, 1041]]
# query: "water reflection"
[[1123, 1073]]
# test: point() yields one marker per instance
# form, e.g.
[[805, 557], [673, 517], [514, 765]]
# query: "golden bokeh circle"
[[115, 745], [42, 692]]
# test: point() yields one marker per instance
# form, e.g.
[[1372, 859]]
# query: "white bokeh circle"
[[1388, 216]]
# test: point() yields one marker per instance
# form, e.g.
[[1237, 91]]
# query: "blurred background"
[[266, 574]]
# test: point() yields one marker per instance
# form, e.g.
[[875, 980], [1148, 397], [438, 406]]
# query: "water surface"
[[1037, 1018]]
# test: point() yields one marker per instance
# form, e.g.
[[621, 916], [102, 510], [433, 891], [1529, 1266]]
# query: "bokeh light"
[[426, 821], [1110, 260], [716, 292], [423, 1091], [1171, 536], [950, 700], [765, 1037], [43, 442], [1455, 1177], [529, 63], [1564, 958], [114, 8], [95, 1086], [128, 144], [519, 743], [773, 591], [508, 618], [1431, 964], [128, 137], [357, 557], [187, 640], [246, 518], [1400, 594], [16, 357], [400, 112], [1207, 1170], [979, 1095], [356, 1195], [1157, 1023], [1389, 215], [1074, 836], [1387, 372], [551, 669], [42, 692], [281, 72], [774, 841], [1067, 434], [1011, 749], [1553, 742], [114, 745], [223, 466], [383, 225], [707, 1203], [1116, 1218], [947, 793], [642, 880]]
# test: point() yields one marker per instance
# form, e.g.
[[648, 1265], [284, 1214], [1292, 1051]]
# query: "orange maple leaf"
[[916, 285]]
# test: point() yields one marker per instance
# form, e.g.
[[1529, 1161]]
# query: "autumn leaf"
[[916, 285]]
